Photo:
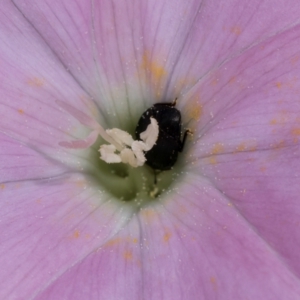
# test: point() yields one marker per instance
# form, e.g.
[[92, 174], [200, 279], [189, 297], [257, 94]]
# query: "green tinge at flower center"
[[133, 182], [128, 184]]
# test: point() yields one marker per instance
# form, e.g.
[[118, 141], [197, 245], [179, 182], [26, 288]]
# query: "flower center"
[[120, 169], [138, 185]]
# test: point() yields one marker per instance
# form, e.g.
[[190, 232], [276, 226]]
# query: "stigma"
[[121, 147]]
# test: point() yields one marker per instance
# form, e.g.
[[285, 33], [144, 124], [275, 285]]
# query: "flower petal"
[[150, 51], [248, 139], [18, 162], [49, 225], [195, 247], [32, 79], [90, 38], [196, 37]]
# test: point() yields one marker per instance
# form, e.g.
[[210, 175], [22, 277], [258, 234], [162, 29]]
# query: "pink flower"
[[225, 224]]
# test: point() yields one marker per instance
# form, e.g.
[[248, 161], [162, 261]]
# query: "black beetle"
[[163, 154]]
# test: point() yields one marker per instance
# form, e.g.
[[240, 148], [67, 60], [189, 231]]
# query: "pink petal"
[[79, 115], [48, 226], [90, 38], [91, 123], [233, 237], [31, 80], [193, 246], [248, 139], [188, 39], [18, 162], [151, 51]]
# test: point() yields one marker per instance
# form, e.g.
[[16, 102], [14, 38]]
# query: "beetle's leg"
[[156, 172], [186, 133], [155, 176]]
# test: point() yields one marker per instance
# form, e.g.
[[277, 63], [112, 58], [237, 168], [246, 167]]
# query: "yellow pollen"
[[236, 30], [218, 148], [296, 131], [127, 255], [37, 82], [213, 160], [194, 111], [76, 234], [213, 281], [241, 147], [232, 80], [154, 67], [113, 242], [167, 236], [263, 169]]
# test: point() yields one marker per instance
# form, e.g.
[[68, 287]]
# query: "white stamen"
[[108, 154], [135, 156], [120, 136], [128, 157], [128, 150]]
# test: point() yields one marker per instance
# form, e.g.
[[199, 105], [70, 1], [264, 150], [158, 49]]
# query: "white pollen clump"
[[108, 154], [122, 147]]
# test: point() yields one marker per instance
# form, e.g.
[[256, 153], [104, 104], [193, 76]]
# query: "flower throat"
[[120, 169]]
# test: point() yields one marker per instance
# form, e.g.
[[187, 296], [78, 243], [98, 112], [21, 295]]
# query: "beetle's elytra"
[[164, 153]]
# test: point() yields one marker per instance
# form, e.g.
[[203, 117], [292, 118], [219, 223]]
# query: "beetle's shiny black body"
[[164, 153]]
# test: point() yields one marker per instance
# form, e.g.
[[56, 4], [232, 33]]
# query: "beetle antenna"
[[172, 104]]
